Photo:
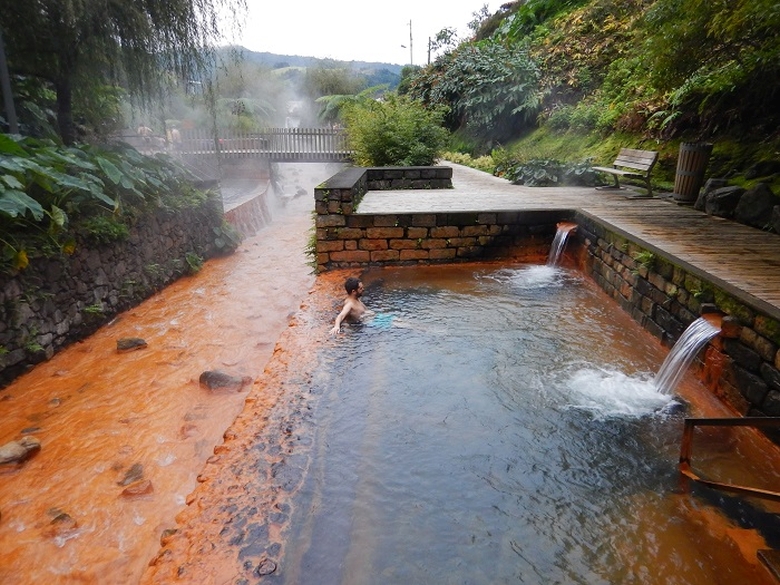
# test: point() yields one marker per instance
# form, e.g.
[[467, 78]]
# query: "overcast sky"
[[354, 30]]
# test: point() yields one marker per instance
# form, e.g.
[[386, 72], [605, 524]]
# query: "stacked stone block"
[[346, 239]]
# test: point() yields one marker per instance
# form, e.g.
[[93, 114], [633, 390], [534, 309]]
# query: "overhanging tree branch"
[[69, 42]]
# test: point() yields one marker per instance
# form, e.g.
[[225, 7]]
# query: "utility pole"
[[411, 51]]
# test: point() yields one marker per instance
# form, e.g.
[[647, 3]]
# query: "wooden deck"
[[742, 260]]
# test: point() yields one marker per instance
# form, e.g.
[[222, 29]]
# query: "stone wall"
[[741, 366], [250, 216], [345, 239], [403, 239], [54, 302]]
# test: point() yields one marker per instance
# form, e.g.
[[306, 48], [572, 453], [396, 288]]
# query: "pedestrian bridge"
[[273, 144]]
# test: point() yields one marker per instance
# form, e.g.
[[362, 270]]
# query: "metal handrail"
[[687, 446]]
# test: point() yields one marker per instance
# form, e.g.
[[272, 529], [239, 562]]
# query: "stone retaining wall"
[[402, 239], [345, 239], [54, 302], [249, 217], [741, 367]]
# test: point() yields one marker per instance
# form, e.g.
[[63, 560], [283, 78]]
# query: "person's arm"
[[340, 318]]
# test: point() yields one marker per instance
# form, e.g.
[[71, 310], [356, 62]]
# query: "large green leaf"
[[12, 164], [154, 182], [17, 203], [85, 183], [109, 168], [69, 182], [11, 182], [58, 216], [69, 159], [9, 146]]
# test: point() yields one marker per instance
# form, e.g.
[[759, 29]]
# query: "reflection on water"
[[509, 434]]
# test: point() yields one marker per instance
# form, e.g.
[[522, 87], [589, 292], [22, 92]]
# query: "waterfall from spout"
[[680, 357], [559, 242]]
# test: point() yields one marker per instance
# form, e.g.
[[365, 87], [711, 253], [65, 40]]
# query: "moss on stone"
[[768, 327], [731, 306], [700, 290]]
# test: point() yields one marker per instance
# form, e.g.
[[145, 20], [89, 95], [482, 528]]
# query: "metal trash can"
[[691, 165]]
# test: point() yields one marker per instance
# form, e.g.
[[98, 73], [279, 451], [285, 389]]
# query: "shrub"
[[483, 163], [546, 173], [491, 89], [395, 132], [103, 229]]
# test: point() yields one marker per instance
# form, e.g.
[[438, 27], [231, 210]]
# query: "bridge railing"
[[277, 144]]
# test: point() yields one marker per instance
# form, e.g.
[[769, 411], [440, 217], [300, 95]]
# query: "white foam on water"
[[611, 393], [530, 277]]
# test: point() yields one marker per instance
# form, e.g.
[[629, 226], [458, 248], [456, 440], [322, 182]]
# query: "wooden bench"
[[632, 163]]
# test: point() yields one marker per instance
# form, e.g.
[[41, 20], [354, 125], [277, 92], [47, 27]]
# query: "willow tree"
[[141, 45]]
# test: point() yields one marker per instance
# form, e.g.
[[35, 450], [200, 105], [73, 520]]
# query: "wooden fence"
[[276, 144]]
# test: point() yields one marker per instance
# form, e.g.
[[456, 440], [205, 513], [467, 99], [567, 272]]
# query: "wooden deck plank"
[[744, 259]]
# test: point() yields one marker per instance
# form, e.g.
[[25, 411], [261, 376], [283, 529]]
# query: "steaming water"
[[559, 242], [683, 353], [97, 413], [609, 393], [502, 433]]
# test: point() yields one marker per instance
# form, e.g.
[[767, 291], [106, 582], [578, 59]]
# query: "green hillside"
[[578, 79], [374, 73]]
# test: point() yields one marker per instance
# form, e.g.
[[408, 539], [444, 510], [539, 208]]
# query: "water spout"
[[696, 336], [559, 242]]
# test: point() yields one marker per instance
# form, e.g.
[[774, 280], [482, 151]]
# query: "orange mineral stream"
[[129, 439], [124, 435]]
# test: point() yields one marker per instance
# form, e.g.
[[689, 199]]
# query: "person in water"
[[354, 309]]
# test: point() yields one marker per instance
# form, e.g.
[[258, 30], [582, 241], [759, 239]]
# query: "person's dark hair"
[[351, 284]]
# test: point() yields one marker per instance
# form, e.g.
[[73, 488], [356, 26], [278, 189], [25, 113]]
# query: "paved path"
[[742, 260]]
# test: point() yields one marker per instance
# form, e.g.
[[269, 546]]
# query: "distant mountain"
[[375, 73]]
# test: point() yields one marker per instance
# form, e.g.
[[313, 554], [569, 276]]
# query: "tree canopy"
[[79, 46]]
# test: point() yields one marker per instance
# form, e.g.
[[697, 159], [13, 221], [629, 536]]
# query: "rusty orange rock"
[[139, 488]]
